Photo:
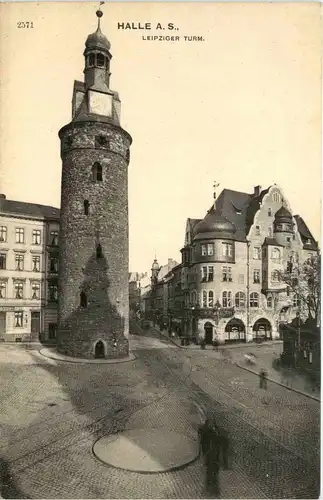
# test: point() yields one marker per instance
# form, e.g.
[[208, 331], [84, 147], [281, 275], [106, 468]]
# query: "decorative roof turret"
[[155, 266], [283, 215]]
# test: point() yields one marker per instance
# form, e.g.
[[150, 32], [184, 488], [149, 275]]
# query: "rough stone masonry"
[[93, 298]]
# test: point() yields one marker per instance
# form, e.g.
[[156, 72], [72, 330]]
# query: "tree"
[[304, 280]]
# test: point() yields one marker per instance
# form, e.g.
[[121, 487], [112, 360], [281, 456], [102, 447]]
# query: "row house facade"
[[29, 237], [227, 287]]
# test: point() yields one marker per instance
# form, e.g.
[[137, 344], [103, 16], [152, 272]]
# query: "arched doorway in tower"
[[235, 331], [99, 350], [262, 329], [208, 329]]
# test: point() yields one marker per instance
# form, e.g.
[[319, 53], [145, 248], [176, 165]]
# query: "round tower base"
[[95, 348]]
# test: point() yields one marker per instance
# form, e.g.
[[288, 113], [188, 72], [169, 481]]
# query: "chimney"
[[256, 190], [2, 198]]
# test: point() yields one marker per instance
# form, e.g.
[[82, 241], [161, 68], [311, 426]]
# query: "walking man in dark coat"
[[215, 447], [263, 379]]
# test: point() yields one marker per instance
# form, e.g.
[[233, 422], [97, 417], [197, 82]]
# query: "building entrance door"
[[35, 322], [2, 324], [208, 328], [52, 329], [99, 350]]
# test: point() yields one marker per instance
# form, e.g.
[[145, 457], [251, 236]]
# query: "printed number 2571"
[[25, 24]]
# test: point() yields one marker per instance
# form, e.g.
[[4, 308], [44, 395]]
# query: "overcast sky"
[[242, 107]]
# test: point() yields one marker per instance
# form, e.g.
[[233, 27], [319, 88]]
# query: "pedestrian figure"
[[262, 379], [214, 444]]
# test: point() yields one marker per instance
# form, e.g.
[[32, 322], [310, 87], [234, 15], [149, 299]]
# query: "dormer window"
[[100, 60]]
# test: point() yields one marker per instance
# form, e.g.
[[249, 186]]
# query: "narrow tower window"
[[97, 172], [98, 251], [83, 299], [86, 207], [100, 60], [91, 60]]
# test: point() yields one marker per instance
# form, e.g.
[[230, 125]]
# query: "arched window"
[[98, 251], [86, 207], [296, 301], [275, 254], [269, 302], [275, 276], [83, 299], [226, 299], [97, 172], [276, 197], [240, 299], [211, 298], [91, 60], [100, 59], [254, 299], [204, 298]]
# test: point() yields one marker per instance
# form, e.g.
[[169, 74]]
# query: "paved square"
[[53, 412]]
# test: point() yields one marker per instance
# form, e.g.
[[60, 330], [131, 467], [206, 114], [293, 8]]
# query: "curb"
[[279, 383], [248, 369], [53, 354]]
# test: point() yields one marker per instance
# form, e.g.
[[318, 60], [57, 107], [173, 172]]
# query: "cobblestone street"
[[52, 413]]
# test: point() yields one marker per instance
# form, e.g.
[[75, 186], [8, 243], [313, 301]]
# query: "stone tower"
[[93, 301]]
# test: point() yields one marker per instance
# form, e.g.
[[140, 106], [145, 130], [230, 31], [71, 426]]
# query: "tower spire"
[[99, 14]]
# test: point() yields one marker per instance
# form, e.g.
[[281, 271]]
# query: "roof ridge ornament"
[[99, 14], [215, 185]]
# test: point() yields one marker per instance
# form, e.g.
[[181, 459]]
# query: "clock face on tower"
[[100, 104]]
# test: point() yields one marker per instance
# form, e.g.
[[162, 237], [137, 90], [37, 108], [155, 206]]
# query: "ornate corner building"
[[93, 300], [227, 287]]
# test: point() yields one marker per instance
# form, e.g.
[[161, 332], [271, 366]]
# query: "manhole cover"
[[146, 450]]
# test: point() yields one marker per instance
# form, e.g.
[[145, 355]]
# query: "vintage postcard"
[[160, 234]]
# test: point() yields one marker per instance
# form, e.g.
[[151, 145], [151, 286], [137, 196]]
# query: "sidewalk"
[[291, 380]]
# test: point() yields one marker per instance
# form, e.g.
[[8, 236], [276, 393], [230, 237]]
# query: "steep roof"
[[233, 205], [33, 210], [305, 234]]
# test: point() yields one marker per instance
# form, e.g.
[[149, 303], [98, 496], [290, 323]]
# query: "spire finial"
[[215, 185], [99, 14]]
